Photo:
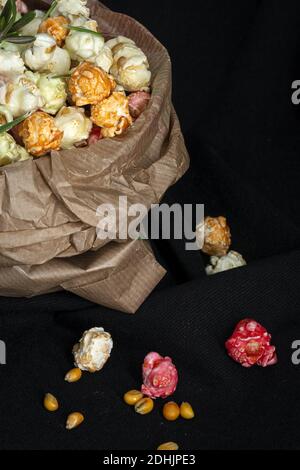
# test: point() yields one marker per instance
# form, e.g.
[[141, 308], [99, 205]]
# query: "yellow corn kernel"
[[74, 420], [171, 411], [73, 375], [50, 403], [186, 411], [168, 446], [144, 406], [132, 397]]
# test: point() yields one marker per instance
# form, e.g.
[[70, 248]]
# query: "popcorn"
[[3, 80], [60, 63], [31, 29], [114, 43], [10, 151], [250, 345], [104, 59], [89, 85], [138, 102], [20, 5], [45, 56], [11, 64], [213, 236], [39, 54], [130, 65], [39, 134], [21, 96], [75, 125], [93, 350], [55, 27], [112, 115], [14, 48], [80, 20], [95, 135], [160, 376], [5, 115], [85, 46], [231, 261], [120, 89], [35, 80], [72, 9], [54, 92]]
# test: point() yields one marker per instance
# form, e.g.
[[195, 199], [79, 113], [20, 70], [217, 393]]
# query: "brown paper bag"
[[48, 215]]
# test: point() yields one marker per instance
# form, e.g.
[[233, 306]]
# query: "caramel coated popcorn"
[[39, 134], [90, 85], [214, 237], [112, 115], [55, 27]]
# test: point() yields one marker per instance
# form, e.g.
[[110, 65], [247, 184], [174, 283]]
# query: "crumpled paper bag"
[[48, 206]]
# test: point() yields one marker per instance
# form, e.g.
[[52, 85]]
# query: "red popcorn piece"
[[160, 376], [250, 345], [95, 135]]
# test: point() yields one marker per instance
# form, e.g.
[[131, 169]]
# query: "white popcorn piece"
[[93, 351], [10, 151], [72, 9], [31, 29], [130, 65], [119, 40], [11, 63], [5, 115], [75, 125], [45, 56], [80, 21], [54, 92], [10, 47], [231, 261], [21, 96], [60, 62], [84, 46], [41, 51], [104, 59]]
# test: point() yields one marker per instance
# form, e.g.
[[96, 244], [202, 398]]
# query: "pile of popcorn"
[[71, 87]]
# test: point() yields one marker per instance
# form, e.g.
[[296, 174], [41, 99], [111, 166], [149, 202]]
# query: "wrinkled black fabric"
[[234, 64]]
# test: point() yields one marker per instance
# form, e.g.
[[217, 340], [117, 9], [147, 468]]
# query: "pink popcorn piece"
[[250, 345], [21, 7], [138, 102], [95, 135], [160, 376]]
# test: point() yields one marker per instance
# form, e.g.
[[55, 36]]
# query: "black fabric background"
[[234, 63]]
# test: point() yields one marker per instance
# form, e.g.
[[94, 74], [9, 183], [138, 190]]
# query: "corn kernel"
[[133, 397], [73, 375], [74, 420], [171, 411], [186, 411], [50, 403], [144, 406], [168, 446]]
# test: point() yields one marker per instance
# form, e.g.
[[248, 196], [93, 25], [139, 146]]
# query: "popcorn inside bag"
[[59, 63]]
